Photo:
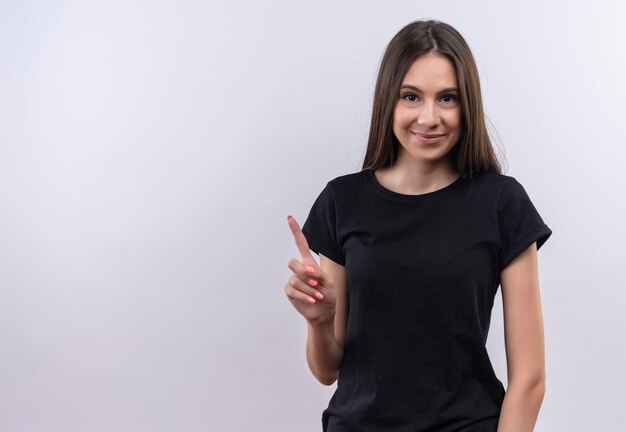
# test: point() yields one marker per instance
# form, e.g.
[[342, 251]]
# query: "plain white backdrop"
[[150, 152]]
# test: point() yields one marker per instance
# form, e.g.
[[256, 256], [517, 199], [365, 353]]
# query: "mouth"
[[423, 135], [428, 139]]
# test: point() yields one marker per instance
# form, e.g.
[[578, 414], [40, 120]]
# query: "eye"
[[448, 98]]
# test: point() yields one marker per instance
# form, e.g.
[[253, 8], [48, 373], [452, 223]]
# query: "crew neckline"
[[406, 198]]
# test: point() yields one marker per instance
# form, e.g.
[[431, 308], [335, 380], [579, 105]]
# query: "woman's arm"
[[325, 341], [524, 343]]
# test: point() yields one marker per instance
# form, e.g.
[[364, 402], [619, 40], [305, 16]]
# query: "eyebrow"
[[447, 89]]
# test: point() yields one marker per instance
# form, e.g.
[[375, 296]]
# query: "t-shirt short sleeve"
[[520, 224], [320, 227]]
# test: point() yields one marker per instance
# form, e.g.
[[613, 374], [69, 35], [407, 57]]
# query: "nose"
[[428, 116]]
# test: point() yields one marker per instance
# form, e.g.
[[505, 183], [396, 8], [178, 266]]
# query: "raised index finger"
[[301, 243]]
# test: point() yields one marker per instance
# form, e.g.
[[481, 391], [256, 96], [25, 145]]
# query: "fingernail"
[[310, 269], [312, 282], [289, 217], [319, 295]]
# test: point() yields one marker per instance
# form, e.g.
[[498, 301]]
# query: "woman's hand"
[[308, 282]]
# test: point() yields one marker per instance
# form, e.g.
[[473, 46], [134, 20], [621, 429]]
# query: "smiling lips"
[[423, 135], [428, 138]]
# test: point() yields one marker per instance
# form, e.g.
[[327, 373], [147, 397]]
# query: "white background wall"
[[150, 152]]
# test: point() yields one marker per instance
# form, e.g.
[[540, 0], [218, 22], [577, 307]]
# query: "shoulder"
[[347, 183], [492, 178], [346, 191], [346, 179], [339, 187], [495, 184]]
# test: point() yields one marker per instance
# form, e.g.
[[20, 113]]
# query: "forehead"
[[431, 71]]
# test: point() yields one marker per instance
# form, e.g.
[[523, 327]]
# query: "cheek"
[[453, 119], [401, 118]]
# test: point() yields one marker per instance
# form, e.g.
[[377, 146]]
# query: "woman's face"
[[428, 103]]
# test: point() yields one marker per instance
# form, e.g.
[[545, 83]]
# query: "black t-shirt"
[[422, 274]]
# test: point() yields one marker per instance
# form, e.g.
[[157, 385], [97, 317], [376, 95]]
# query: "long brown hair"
[[474, 151]]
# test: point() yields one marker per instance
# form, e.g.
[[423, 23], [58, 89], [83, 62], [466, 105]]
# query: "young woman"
[[412, 250]]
